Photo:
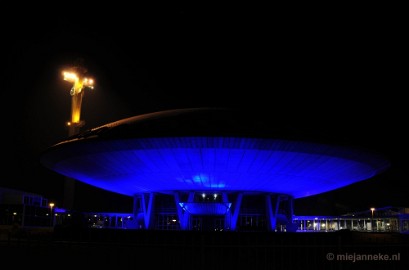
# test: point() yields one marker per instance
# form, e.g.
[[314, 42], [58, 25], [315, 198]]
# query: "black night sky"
[[335, 74]]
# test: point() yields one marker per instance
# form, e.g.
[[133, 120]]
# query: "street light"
[[372, 209], [51, 211]]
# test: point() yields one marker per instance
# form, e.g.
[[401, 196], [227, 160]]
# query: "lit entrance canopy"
[[206, 150]]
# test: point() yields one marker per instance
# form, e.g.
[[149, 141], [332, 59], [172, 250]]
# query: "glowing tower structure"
[[80, 83]]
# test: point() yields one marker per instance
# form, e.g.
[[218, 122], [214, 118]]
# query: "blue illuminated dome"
[[206, 151]]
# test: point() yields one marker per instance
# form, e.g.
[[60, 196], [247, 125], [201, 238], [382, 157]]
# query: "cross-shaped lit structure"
[[79, 83]]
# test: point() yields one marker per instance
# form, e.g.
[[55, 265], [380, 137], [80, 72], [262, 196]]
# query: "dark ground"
[[205, 250]]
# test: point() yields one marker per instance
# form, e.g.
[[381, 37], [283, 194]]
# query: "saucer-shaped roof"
[[206, 149]]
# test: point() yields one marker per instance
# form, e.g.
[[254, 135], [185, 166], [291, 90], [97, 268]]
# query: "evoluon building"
[[207, 168]]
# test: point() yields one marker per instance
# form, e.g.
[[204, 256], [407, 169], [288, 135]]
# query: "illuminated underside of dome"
[[142, 154]]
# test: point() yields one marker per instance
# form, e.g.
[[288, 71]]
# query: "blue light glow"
[[135, 165]]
